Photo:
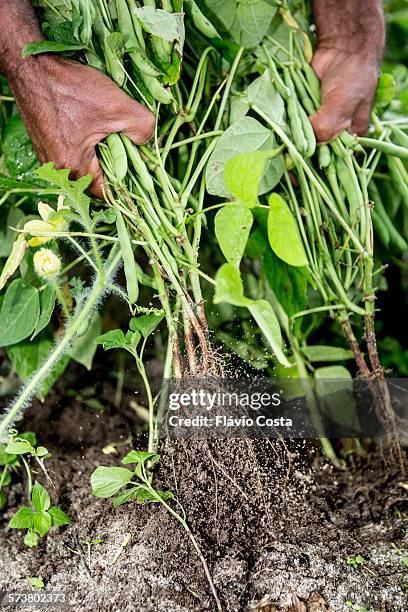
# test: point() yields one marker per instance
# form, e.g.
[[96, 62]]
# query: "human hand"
[[69, 108], [350, 38], [348, 85]]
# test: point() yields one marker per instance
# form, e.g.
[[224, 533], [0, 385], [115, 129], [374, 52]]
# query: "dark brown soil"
[[275, 521]]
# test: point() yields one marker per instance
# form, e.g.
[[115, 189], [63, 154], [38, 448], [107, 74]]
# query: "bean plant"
[[233, 157]]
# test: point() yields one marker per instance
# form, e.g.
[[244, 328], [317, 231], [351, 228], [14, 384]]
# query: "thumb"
[[334, 115], [135, 121]]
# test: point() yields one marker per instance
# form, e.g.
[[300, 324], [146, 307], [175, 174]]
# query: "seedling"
[[125, 485], [356, 561], [39, 518], [36, 582]]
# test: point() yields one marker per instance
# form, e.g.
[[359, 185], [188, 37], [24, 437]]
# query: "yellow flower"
[[46, 263], [51, 221]]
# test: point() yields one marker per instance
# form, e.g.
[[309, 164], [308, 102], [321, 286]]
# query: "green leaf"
[[3, 500], [72, 190], [245, 136], [5, 478], [386, 90], [27, 356], [332, 372], [289, 283], [6, 458], [136, 456], [144, 496], [58, 516], [125, 497], [113, 339], [40, 498], [14, 259], [84, 347], [19, 312], [128, 259], [15, 218], [107, 481], [41, 451], [36, 582], [47, 303], [162, 24], [48, 46], [268, 323], [31, 539], [23, 519], [42, 523], [263, 94], [326, 353], [242, 176], [20, 159], [232, 227], [229, 287], [222, 12], [252, 21], [283, 233], [19, 447], [146, 324]]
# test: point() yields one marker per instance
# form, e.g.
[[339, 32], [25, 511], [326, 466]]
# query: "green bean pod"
[[380, 228], [143, 64], [308, 132], [324, 156], [301, 91], [125, 23], [294, 116], [139, 165], [348, 187], [395, 238], [399, 177], [401, 137], [137, 28], [157, 89], [385, 147], [200, 21], [313, 82], [119, 160], [87, 10]]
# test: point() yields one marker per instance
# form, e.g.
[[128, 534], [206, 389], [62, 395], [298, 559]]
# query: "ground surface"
[[276, 523]]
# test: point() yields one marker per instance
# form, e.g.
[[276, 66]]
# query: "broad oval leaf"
[[268, 323], [40, 498], [58, 516], [47, 303], [136, 456], [19, 312], [242, 175], [229, 287], [232, 226], [107, 481], [145, 324], [283, 233], [42, 523], [245, 136], [326, 353], [23, 519]]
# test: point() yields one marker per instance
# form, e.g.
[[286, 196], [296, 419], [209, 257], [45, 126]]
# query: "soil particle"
[[276, 524]]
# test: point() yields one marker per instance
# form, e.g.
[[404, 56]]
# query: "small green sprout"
[[356, 561], [39, 519], [36, 582]]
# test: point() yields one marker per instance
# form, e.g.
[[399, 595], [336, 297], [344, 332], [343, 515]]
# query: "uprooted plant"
[[295, 221]]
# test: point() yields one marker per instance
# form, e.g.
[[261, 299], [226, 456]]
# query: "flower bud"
[[46, 263]]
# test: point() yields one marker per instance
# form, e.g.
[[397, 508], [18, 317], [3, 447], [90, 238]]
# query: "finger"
[[335, 114], [135, 121], [94, 169], [361, 118]]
